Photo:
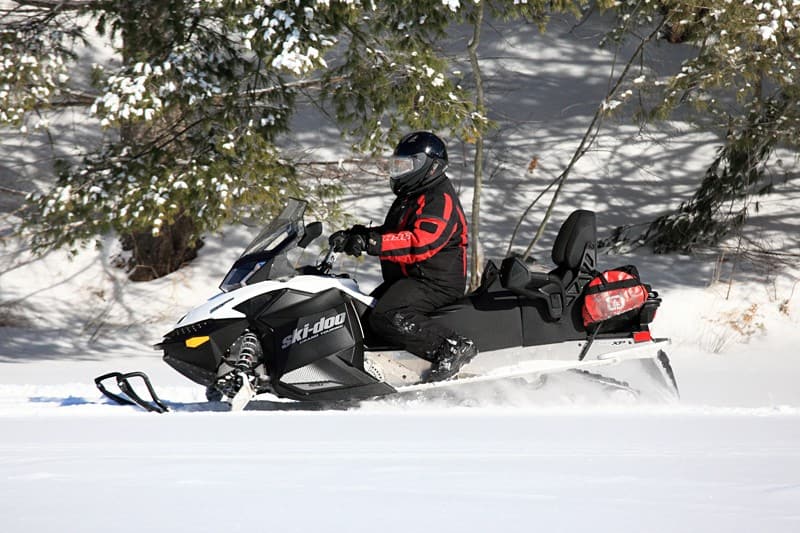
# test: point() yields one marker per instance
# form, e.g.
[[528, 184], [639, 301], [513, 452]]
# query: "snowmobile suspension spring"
[[249, 351]]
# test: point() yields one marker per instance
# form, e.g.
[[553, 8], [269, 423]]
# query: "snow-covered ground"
[[726, 457]]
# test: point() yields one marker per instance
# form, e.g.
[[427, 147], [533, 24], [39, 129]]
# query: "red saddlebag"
[[614, 294]]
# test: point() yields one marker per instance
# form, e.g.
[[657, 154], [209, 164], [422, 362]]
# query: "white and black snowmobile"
[[298, 332]]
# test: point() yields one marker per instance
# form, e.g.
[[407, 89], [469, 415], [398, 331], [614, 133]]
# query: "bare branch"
[[73, 98], [12, 191], [588, 138], [65, 5], [354, 161]]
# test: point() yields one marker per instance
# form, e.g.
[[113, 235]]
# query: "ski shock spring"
[[249, 351]]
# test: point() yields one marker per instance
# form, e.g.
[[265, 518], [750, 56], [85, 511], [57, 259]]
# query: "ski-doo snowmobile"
[[299, 331]]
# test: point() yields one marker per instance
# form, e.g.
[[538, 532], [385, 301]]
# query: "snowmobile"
[[299, 332]]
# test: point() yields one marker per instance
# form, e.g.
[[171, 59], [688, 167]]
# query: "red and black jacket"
[[424, 236]]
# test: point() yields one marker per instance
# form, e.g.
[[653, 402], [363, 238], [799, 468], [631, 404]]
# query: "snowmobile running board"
[[155, 405]]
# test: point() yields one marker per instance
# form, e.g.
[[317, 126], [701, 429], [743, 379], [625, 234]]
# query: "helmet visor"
[[400, 165]]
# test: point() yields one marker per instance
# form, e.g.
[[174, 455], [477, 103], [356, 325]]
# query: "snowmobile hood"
[[222, 305]]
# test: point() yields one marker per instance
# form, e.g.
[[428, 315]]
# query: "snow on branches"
[[743, 46], [203, 89], [742, 73], [32, 70]]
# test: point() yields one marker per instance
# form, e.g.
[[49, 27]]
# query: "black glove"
[[355, 244], [355, 241], [364, 240], [337, 240]]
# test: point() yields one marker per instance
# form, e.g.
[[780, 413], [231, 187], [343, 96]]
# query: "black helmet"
[[418, 162]]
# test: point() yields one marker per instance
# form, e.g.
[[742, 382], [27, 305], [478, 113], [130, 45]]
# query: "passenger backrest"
[[575, 255], [575, 252]]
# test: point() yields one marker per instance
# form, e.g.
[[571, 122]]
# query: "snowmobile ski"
[[154, 405]]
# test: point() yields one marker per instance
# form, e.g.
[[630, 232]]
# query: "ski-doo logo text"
[[312, 330]]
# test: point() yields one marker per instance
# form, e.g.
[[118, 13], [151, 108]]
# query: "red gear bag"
[[612, 294]]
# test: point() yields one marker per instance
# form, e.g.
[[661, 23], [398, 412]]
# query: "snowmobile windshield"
[[266, 257]]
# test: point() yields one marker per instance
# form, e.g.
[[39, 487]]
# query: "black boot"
[[450, 357]]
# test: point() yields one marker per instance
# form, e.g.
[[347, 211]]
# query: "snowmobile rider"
[[422, 246]]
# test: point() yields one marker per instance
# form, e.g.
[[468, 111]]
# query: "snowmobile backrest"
[[575, 255], [576, 232]]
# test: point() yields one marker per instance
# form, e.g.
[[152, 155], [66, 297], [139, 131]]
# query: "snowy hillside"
[[723, 458]]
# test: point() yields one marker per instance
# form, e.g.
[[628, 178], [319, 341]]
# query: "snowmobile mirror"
[[312, 231]]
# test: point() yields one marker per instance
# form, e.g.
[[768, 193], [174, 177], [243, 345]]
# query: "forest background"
[[187, 111]]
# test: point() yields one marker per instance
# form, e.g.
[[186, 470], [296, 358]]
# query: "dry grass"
[[11, 318]]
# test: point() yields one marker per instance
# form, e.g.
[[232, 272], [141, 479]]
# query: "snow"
[[431, 469], [726, 457]]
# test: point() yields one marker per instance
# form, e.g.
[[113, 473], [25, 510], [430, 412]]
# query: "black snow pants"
[[401, 315]]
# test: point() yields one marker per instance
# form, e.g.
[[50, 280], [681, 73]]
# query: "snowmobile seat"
[[575, 256]]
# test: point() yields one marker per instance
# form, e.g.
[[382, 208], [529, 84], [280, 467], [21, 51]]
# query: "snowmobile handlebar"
[[337, 240], [325, 266]]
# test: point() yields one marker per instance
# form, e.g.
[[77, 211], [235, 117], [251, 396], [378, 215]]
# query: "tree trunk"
[[157, 256], [148, 31], [475, 255]]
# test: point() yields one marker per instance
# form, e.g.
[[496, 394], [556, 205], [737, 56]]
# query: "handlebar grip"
[[337, 241]]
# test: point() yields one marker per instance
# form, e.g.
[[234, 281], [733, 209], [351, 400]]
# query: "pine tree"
[[203, 92], [742, 81]]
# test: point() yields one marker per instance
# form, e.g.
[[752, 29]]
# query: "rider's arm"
[[437, 219]]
